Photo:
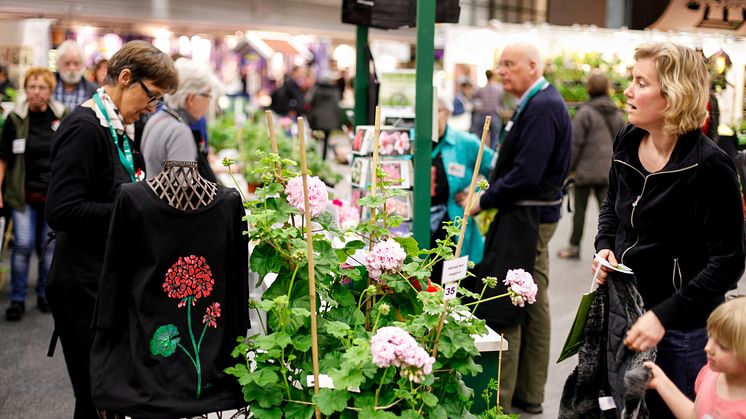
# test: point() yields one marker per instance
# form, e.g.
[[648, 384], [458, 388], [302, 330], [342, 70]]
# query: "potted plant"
[[384, 351]]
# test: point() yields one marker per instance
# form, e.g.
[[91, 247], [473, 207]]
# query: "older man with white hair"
[[525, 187], [72, 88], [168, 135]]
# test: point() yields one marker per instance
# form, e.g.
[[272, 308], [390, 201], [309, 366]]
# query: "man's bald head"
[[520, 66]]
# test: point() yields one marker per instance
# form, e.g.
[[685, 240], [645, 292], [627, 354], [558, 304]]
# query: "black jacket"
[[680, 229]]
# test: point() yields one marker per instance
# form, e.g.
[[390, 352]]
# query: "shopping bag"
[[576, 336]]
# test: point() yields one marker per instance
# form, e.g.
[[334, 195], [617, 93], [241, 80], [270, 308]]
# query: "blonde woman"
[[672, 214]]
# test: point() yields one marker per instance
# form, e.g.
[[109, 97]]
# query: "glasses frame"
[[153, 99]]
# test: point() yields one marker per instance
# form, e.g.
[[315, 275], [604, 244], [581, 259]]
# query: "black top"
[[38, 148], [680, 229], [534, 158], [171, 303], [86, 174]]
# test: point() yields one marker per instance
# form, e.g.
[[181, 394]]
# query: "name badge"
[[457, 170], [19, 146]]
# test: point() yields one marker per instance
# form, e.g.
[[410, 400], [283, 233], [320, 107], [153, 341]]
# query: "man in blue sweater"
[[525, 188]]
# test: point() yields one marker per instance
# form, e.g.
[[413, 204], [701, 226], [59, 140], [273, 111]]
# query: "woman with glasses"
[[25, 153], [168, 134], [91, 159]]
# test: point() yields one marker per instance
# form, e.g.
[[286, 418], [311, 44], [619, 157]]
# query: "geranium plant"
[[378, 319]]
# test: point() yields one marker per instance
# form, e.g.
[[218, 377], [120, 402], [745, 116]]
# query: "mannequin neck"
[[182, 187]]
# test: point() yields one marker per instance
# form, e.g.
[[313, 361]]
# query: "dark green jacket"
[[14, 195]]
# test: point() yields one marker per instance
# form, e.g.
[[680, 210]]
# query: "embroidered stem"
[[196, 361]]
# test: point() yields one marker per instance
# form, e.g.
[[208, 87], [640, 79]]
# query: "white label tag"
[[454, 269], [19, 146], [457, 170], [606, 403], [449, 291], [324, 381]]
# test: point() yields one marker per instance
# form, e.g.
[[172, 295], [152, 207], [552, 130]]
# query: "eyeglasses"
[[154, 100]]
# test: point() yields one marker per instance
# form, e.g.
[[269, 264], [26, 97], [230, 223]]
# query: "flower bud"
[[384, 309]]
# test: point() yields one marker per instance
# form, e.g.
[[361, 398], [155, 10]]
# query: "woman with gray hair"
[[168, 134]]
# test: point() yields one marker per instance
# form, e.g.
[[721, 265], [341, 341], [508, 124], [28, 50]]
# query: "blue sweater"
[[535, 156]]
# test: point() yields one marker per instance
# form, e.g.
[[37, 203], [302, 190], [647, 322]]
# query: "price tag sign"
[[449, 291], [454, 269]]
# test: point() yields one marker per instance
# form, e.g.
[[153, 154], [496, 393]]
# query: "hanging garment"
[[172, 300]]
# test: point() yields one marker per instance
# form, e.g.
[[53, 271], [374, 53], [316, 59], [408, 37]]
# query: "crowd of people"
[[670, 207]]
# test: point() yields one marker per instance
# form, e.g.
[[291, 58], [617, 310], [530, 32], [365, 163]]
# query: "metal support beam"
[[362, 75], [423, 121]]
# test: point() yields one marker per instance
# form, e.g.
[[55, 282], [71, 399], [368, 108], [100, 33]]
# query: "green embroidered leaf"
[[330, 401], [164, 341]]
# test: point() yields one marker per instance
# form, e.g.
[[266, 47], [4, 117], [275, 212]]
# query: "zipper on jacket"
[[677, 270], [637, 200]]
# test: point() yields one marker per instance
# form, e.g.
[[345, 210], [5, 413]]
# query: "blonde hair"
[[727, 325], [43, 73], [684, 82]]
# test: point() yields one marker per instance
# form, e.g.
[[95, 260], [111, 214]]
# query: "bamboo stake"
[[464, 221], [374, 163], [499, 367], [374, 187], [311, 276], [272, 136]]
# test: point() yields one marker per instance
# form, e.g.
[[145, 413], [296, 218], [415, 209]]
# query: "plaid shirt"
[[491, 97], [83, 91]]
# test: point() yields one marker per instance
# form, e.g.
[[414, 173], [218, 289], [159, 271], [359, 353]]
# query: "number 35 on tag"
[[449, 291]]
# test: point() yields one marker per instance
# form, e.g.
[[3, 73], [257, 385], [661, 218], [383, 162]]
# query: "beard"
[[71, 77]]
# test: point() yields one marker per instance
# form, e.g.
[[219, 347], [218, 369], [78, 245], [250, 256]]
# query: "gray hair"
[[445, 103], [194, 78], [67, 47]]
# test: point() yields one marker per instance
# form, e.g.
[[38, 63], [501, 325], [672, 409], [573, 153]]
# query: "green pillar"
[[423, 121], [362, 74]]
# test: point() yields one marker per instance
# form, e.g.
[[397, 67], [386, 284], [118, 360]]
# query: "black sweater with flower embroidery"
[[172, 300]]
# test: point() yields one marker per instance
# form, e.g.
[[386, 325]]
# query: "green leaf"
[[330, 401], [302, 342], [410, 414], [238, 371], [265, 396], [337, 329], [265, 259], [164, 341], [298, 411], [371, 201], [300, 312], [371, 413], [439, 413], [409, 244], [277, 339], [429, 399], [271, 413], [265, 376]]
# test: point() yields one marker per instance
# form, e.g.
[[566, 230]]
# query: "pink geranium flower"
[[318, 196], [521, 287], [386, 257], [394, 346]]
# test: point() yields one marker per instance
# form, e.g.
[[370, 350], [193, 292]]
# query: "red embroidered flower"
[[213, 312], [190, 276]]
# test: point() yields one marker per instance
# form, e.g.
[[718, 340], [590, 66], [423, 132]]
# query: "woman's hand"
[[608, 255], [645, 333]]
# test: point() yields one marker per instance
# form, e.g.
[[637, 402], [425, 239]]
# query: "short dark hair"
[[597, 85], [146, 62], [489, 74]]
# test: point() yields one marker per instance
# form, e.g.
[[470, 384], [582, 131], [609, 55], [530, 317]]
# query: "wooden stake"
[[374, 163], [473, 185], [311, 276], [272, 136], [499, 367], [470, 196]]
